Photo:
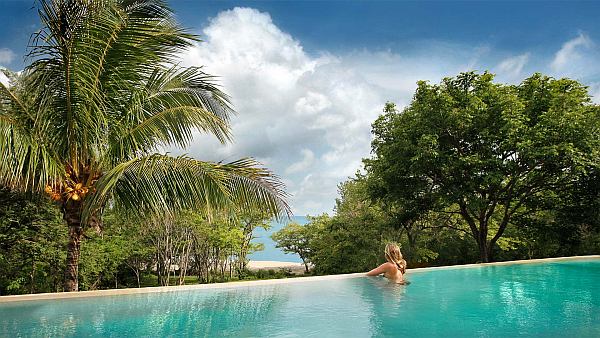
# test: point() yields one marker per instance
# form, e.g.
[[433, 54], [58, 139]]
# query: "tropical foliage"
[[295, 238], [32, 242], [130, 252], [488, 152], [471, 171], [87, 119]]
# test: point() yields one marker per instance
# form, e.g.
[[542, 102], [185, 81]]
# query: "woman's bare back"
[[390, 271]]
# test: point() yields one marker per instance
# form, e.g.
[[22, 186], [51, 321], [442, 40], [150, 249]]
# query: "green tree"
[[104, 93], [570, 225], [351, 240], [295, 238], [32, 240], [489, 149], [101, 260], [580, 211], [339, 246], [248, 222], [118, 255]]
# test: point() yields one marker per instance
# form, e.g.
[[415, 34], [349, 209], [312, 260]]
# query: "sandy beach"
[[275, 265]]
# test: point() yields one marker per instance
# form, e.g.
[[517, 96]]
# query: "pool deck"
[[245, 284]]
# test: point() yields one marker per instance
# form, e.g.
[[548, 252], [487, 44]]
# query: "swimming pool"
[[551, 299]]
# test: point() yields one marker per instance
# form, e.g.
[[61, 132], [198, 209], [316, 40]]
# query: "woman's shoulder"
[[388, 265]]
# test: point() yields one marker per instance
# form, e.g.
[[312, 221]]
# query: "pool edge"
[[517, 262], [239, 284]]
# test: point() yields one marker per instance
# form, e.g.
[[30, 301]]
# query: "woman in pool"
[[394, 268]]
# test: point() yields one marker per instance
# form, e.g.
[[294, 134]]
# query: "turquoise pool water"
[[557, 299]]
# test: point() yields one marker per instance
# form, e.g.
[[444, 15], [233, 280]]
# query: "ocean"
[[271, 253]]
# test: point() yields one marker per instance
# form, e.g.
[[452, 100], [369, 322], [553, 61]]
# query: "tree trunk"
[[490, 253], [483, 252], [72, 215], [305, 264], [32, 277], [231, 263], [411, 245], [482, 241]]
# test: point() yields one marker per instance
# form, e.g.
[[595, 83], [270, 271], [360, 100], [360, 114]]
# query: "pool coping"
[[241, 284]]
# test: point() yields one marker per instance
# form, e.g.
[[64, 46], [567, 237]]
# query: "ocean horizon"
[[270, 252]]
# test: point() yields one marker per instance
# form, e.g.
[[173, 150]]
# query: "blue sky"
[[395, 25], [308, 77], [346, 25]]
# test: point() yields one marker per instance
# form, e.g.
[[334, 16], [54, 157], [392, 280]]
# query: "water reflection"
[[216, 312], [383, 301], [517, 305], [191, 313]]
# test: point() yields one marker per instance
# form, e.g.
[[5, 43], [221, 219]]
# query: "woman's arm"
[[378, 270]]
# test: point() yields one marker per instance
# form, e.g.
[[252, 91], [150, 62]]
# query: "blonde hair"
[[393, 255]]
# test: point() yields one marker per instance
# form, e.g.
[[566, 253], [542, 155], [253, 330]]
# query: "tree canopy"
[[484, 150]]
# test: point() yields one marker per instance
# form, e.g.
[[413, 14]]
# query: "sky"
[[307, 78]]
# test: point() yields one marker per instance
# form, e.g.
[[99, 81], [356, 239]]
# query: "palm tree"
[[103, 94]]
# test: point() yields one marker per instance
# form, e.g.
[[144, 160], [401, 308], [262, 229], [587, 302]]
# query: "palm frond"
[[26, 162], [102, 93], [159, 184], [166, 111], [25, 165], [88, 60]]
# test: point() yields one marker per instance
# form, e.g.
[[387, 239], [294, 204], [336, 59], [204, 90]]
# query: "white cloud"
[[312, 103], [513, 66], [6, 56], [308, 158], [291, 105], [578, 59], [307, 116], [570, 52]]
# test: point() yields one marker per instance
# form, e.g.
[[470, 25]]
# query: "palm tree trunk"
[[72, 214]]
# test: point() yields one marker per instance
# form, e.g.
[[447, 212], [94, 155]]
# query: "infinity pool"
[[550, 299]]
